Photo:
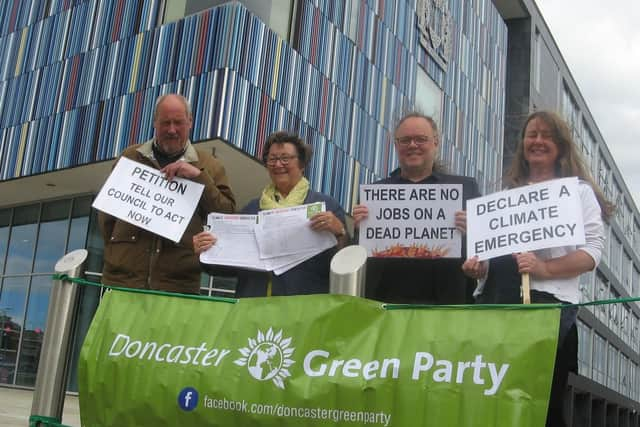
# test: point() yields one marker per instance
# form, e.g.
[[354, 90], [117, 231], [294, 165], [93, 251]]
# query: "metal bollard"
[[347, 275], [51, 380]]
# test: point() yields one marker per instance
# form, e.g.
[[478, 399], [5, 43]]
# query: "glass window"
[[12, 302], [537, 60], [586, 288], [627, 267], [635, 281], [34, 327], [5, 220], [22, 240], [634, 380], [588, 143], [571, 113], [52, 238], [635, 333], [221, 284], [624, 375], [595, 162], [625, 323], [616, 255], [612, 368], [428, 96], [79, 223], [602, 292], [95, 244], [32, 239], [604, 172], [599, 358], [584, 349], [605, 247], [77, 233], [614, 313]]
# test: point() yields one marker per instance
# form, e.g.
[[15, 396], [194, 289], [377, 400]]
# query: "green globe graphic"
[[265, 361]]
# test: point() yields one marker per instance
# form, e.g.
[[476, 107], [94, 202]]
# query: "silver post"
[[51, 381], [348, 271]]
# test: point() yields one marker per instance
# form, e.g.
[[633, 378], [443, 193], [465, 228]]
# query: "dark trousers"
[[566, 358], [503, 287]]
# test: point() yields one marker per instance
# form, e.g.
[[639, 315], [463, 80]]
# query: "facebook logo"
[[188, 399]]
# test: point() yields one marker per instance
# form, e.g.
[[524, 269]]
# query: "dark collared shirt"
[[420, 281]]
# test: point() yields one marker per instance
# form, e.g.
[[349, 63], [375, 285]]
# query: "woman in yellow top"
[[286, 157]]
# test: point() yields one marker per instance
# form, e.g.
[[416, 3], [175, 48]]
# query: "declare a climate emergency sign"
[[538, 216]]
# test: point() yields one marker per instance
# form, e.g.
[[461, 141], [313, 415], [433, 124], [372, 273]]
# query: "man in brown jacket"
[[137, 258]]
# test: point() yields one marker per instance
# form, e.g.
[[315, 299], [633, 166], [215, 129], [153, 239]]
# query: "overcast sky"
[[600, 41]]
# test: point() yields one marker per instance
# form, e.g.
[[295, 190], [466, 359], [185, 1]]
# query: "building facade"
[[79, 78]]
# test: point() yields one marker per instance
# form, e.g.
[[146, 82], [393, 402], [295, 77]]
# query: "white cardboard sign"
[[537, 216], [411, 220], [142, 196]]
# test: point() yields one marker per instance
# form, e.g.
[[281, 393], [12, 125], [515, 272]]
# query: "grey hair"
[[419, 115], [438, 166], [160, 100]]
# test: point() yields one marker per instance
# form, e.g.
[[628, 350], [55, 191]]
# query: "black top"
[[503, 282], [420, 281]]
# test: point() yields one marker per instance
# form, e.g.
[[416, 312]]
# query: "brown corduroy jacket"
[[137, 258]]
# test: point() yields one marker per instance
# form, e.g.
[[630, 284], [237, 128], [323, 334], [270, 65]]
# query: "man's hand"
[[360, 213], [461, 221], [475, 269], [180, 169]]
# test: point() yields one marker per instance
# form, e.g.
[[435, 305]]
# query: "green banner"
[[318, 360]]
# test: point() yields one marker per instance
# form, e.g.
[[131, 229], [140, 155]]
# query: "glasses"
[[416, 139], [271, 161]]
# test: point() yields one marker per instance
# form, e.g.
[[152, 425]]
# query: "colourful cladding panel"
[[78, 81]]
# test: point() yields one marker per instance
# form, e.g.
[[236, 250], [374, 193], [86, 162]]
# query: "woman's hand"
[[360, 213], [528, 262], [203, 241], [475, 269], [327, 221]]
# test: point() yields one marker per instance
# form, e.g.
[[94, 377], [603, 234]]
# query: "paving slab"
[[15, 408]]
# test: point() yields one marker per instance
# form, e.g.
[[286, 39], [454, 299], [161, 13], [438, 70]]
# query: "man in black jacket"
[[410, 280]]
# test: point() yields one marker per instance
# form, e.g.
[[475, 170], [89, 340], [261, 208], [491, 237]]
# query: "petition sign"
[[411, 221], [538, 216], [315, 360], [142, 196]]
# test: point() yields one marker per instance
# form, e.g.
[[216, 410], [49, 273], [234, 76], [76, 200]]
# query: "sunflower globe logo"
[[267, 357]]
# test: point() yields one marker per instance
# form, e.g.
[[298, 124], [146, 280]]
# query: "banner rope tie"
[[79, 281]]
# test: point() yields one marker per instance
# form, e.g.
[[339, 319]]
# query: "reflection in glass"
[[21, 245], [5, 220], [34, 327], [12, 300], [32, 239], [81, 206], [4, 236], [51, 242], [77, 233], [52, 237], [95, 244]]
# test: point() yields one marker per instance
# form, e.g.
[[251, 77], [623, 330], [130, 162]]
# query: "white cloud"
[[600, 41]]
